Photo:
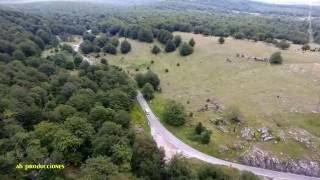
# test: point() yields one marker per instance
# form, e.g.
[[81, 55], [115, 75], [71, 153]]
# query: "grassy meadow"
[[279, 97]]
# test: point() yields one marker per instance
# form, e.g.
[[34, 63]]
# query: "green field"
[[281, 98]]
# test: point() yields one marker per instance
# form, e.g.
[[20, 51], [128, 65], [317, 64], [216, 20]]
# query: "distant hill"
[[250, 6]]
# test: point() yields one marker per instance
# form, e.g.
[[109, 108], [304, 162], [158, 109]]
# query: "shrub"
[[205, 137], [110, 48], [221, 40], [192, 42], [276, 58], [170, 46], [233, 114], [149, 77], [148, 91], [174, 114], [185, 49], [155, 50], [306, 47], [283, 45], [177, 40], [199, 128], [246, 175], [239, 36], [125, 47], [103, 61]]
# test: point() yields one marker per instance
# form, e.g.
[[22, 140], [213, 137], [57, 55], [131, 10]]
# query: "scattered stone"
[[223, 129], [223, 148], [213, 104], [265, 134], [247, 133], [303, 137], [282, 135], [237, 147]]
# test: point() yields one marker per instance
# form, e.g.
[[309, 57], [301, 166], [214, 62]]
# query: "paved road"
[[173, 145]]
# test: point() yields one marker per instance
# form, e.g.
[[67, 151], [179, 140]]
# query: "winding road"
[[172, 145]]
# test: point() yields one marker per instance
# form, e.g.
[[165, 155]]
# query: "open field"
[[281, 98]]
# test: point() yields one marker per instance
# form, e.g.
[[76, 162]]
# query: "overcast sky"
[[291, 1], [315, 2]]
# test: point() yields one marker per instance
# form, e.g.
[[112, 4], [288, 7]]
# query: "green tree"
[[199, 128], [87, 47], [283, 44], [79, 127], [170, 46], [276, 58], [177, 40], [179, 168], [77, 60], [148, 91], [99, 114], [47, 68], [186, 49], [110, 48], [82, 100], [155, 49], [67, 48], [107, 136], [114, 41], [123, 118], [121, 154], [64, 111], [205, 137], [69, 65], [147, 160], [18, 55], [99, 168], [125, 47], [153, 79], [140, 79], [29, 48], [192, 43], [221, 40], [145, 35], [174, 114]]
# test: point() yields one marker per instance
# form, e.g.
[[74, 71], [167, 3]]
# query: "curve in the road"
[[173, 145]]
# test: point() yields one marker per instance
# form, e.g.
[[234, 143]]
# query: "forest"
[[171, 16], [60, 109]]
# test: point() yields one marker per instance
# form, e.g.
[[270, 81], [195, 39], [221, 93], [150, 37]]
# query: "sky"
[[317, 2]]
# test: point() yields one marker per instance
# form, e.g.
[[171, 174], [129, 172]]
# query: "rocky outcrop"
[[303, 137], [258, 158], [265, 134], [247, 133]]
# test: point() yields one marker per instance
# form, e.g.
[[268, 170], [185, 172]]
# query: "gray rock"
[[265, 134], [223, 148], [247, 133], [223, 129], [258, 158]]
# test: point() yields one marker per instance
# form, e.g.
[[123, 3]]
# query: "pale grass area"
[[266, 95]]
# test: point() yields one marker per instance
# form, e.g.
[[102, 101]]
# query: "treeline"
[[144, 22], [60, 109], [23, 36]]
